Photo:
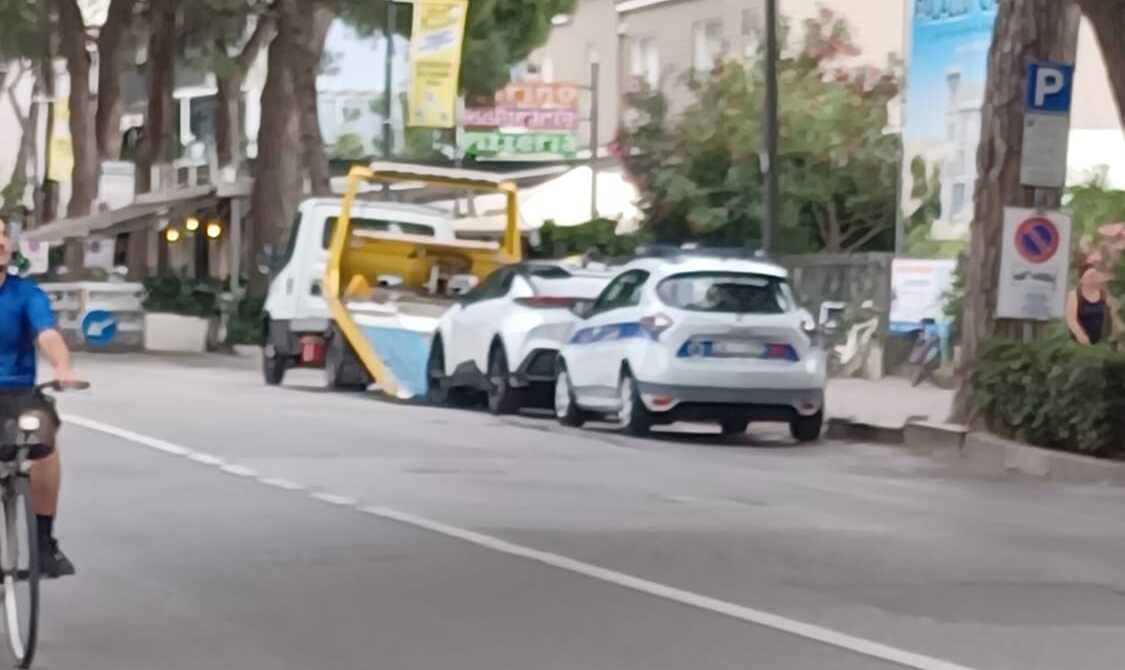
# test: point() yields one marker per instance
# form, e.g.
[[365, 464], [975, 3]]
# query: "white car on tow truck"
[[691, 336], [501, 339]]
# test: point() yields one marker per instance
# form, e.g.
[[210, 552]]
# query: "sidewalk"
[[887, 403]]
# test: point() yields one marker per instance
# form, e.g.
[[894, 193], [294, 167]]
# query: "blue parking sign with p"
[[1050, 87]]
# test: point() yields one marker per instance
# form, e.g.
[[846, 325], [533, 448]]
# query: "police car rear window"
[[725, 293]]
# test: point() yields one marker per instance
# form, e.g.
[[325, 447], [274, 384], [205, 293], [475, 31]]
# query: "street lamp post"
[[772, 197], [388, 84]]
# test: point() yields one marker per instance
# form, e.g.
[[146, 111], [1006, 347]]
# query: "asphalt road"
[[219, 523]]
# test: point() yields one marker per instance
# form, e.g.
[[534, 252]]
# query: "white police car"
[[693, 337]]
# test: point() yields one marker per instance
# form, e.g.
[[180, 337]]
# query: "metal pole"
[[235, 242], [900, 215], [595, 73], [389, 86], [772, 197]]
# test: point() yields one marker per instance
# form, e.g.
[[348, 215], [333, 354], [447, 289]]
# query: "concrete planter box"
[[175, 333]]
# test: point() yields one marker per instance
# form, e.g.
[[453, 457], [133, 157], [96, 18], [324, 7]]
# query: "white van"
[[296, 316]]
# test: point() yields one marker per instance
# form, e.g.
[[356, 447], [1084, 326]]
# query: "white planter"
[[175, 333]]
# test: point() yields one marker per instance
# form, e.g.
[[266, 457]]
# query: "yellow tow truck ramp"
[[386, 292]]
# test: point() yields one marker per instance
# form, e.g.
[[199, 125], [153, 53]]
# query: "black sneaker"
[[52, 562]]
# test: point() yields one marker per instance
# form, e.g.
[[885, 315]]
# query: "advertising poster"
[[918, 290], [435, 62], [526, 121], [946, 74]]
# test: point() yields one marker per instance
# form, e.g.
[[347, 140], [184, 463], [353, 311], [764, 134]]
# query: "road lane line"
[[238, 470], [750, 615]]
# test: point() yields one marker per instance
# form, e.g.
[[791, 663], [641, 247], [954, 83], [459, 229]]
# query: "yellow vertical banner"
[[61, 147], [435, 62]]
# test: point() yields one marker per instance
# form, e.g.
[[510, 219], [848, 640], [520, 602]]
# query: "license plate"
[[739, 348]]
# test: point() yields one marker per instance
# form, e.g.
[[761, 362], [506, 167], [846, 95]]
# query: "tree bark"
[[14, 192], [1108, 19], [161, 73], [277, 183], [304, 28], [1026, 31], [119, 21], [84, 177], [228, 124]]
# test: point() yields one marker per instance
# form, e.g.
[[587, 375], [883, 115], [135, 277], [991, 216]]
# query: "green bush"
[[597, 235], [1054, 393], [200, 298]]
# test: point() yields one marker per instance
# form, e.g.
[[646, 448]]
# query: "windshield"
[[378, 226], [726, 292]]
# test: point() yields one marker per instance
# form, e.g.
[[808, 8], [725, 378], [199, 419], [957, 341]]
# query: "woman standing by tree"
[[1089, 309]]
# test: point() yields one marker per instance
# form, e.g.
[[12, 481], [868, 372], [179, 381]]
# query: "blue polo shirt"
[[25, 312]]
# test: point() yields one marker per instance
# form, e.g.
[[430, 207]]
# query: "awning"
[[124, 219]]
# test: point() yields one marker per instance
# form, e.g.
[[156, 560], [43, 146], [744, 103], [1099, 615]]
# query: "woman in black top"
[[1088, 314]]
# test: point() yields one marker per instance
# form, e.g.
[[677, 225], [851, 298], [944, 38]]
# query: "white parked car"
[[503, 337], [696, 338]]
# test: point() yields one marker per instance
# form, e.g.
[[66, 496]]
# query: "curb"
[[983, 454]]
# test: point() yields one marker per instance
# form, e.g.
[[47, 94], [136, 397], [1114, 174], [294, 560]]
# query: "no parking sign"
[[1034, 265]]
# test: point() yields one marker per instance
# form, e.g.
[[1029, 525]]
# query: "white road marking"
[[333, 499], [777, 622], [238, 470], [283, 484]]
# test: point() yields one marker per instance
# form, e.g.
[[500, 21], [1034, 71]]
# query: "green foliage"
[[181, 295], [498, 34], [1093, 204], [598, 235], [700, 174], [348, 147], [1053, 393]]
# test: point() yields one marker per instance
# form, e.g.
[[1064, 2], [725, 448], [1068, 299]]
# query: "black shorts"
[[14, 402]]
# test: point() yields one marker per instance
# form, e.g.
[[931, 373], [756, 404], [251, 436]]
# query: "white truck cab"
[[297, 322]]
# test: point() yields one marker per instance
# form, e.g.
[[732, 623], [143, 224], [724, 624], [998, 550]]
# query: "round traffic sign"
[[1037, 239], [99, 327]]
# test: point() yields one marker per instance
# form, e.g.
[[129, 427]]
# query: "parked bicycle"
[[19, 545]]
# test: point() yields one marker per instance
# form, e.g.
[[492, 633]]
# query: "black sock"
[[46, 525]]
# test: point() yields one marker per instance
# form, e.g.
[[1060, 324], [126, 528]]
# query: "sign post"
[[1034, 265], [1046, 125]]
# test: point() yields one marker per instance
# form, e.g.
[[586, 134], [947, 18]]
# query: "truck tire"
[[807, 429], [342, 369], [274, 364]]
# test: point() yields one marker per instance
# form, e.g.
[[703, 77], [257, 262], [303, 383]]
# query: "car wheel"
[[502, 398], [567, 410], [342, 369], [734, 427], [633, 418], [807, 428], [437, 393], [273, 365]]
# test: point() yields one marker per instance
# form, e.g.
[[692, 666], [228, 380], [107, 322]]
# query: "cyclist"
[[27, 324]]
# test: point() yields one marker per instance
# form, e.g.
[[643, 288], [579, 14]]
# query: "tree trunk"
[[84, 177], [118, 23], [304, 27], [277, 183], [228, 118], [1026, 31], [1108, 19], [158, 118], [14, 192], [228, 122]]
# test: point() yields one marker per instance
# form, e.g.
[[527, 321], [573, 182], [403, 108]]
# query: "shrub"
[[1054, 393]]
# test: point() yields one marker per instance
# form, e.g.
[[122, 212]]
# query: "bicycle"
[[19, 537]]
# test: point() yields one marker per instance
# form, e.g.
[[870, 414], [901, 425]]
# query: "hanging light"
[[214, 230], [192, 224], [172, 235]]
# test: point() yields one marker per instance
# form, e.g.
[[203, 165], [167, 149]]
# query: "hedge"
[[1054, 393]]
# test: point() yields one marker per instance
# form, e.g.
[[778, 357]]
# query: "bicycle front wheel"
[[19, 566]]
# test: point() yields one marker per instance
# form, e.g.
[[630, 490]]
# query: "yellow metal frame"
[[510, 250]]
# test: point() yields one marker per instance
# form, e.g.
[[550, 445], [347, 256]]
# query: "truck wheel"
[[273, 363], [502, 398], [806, 429], [342, 369]]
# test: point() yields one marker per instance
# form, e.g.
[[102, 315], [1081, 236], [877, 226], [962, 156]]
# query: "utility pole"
[[389, 86], [595, 74], [772, 197]]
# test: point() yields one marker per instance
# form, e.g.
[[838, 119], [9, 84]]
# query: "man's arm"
[[48, 338], [52, 345]]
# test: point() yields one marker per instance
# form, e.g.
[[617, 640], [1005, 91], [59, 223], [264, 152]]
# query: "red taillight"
[[545, 302], [312, 350], [656, 324], [780, 352]]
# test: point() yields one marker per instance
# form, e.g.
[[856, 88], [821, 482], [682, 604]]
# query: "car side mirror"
[[582, 309]]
